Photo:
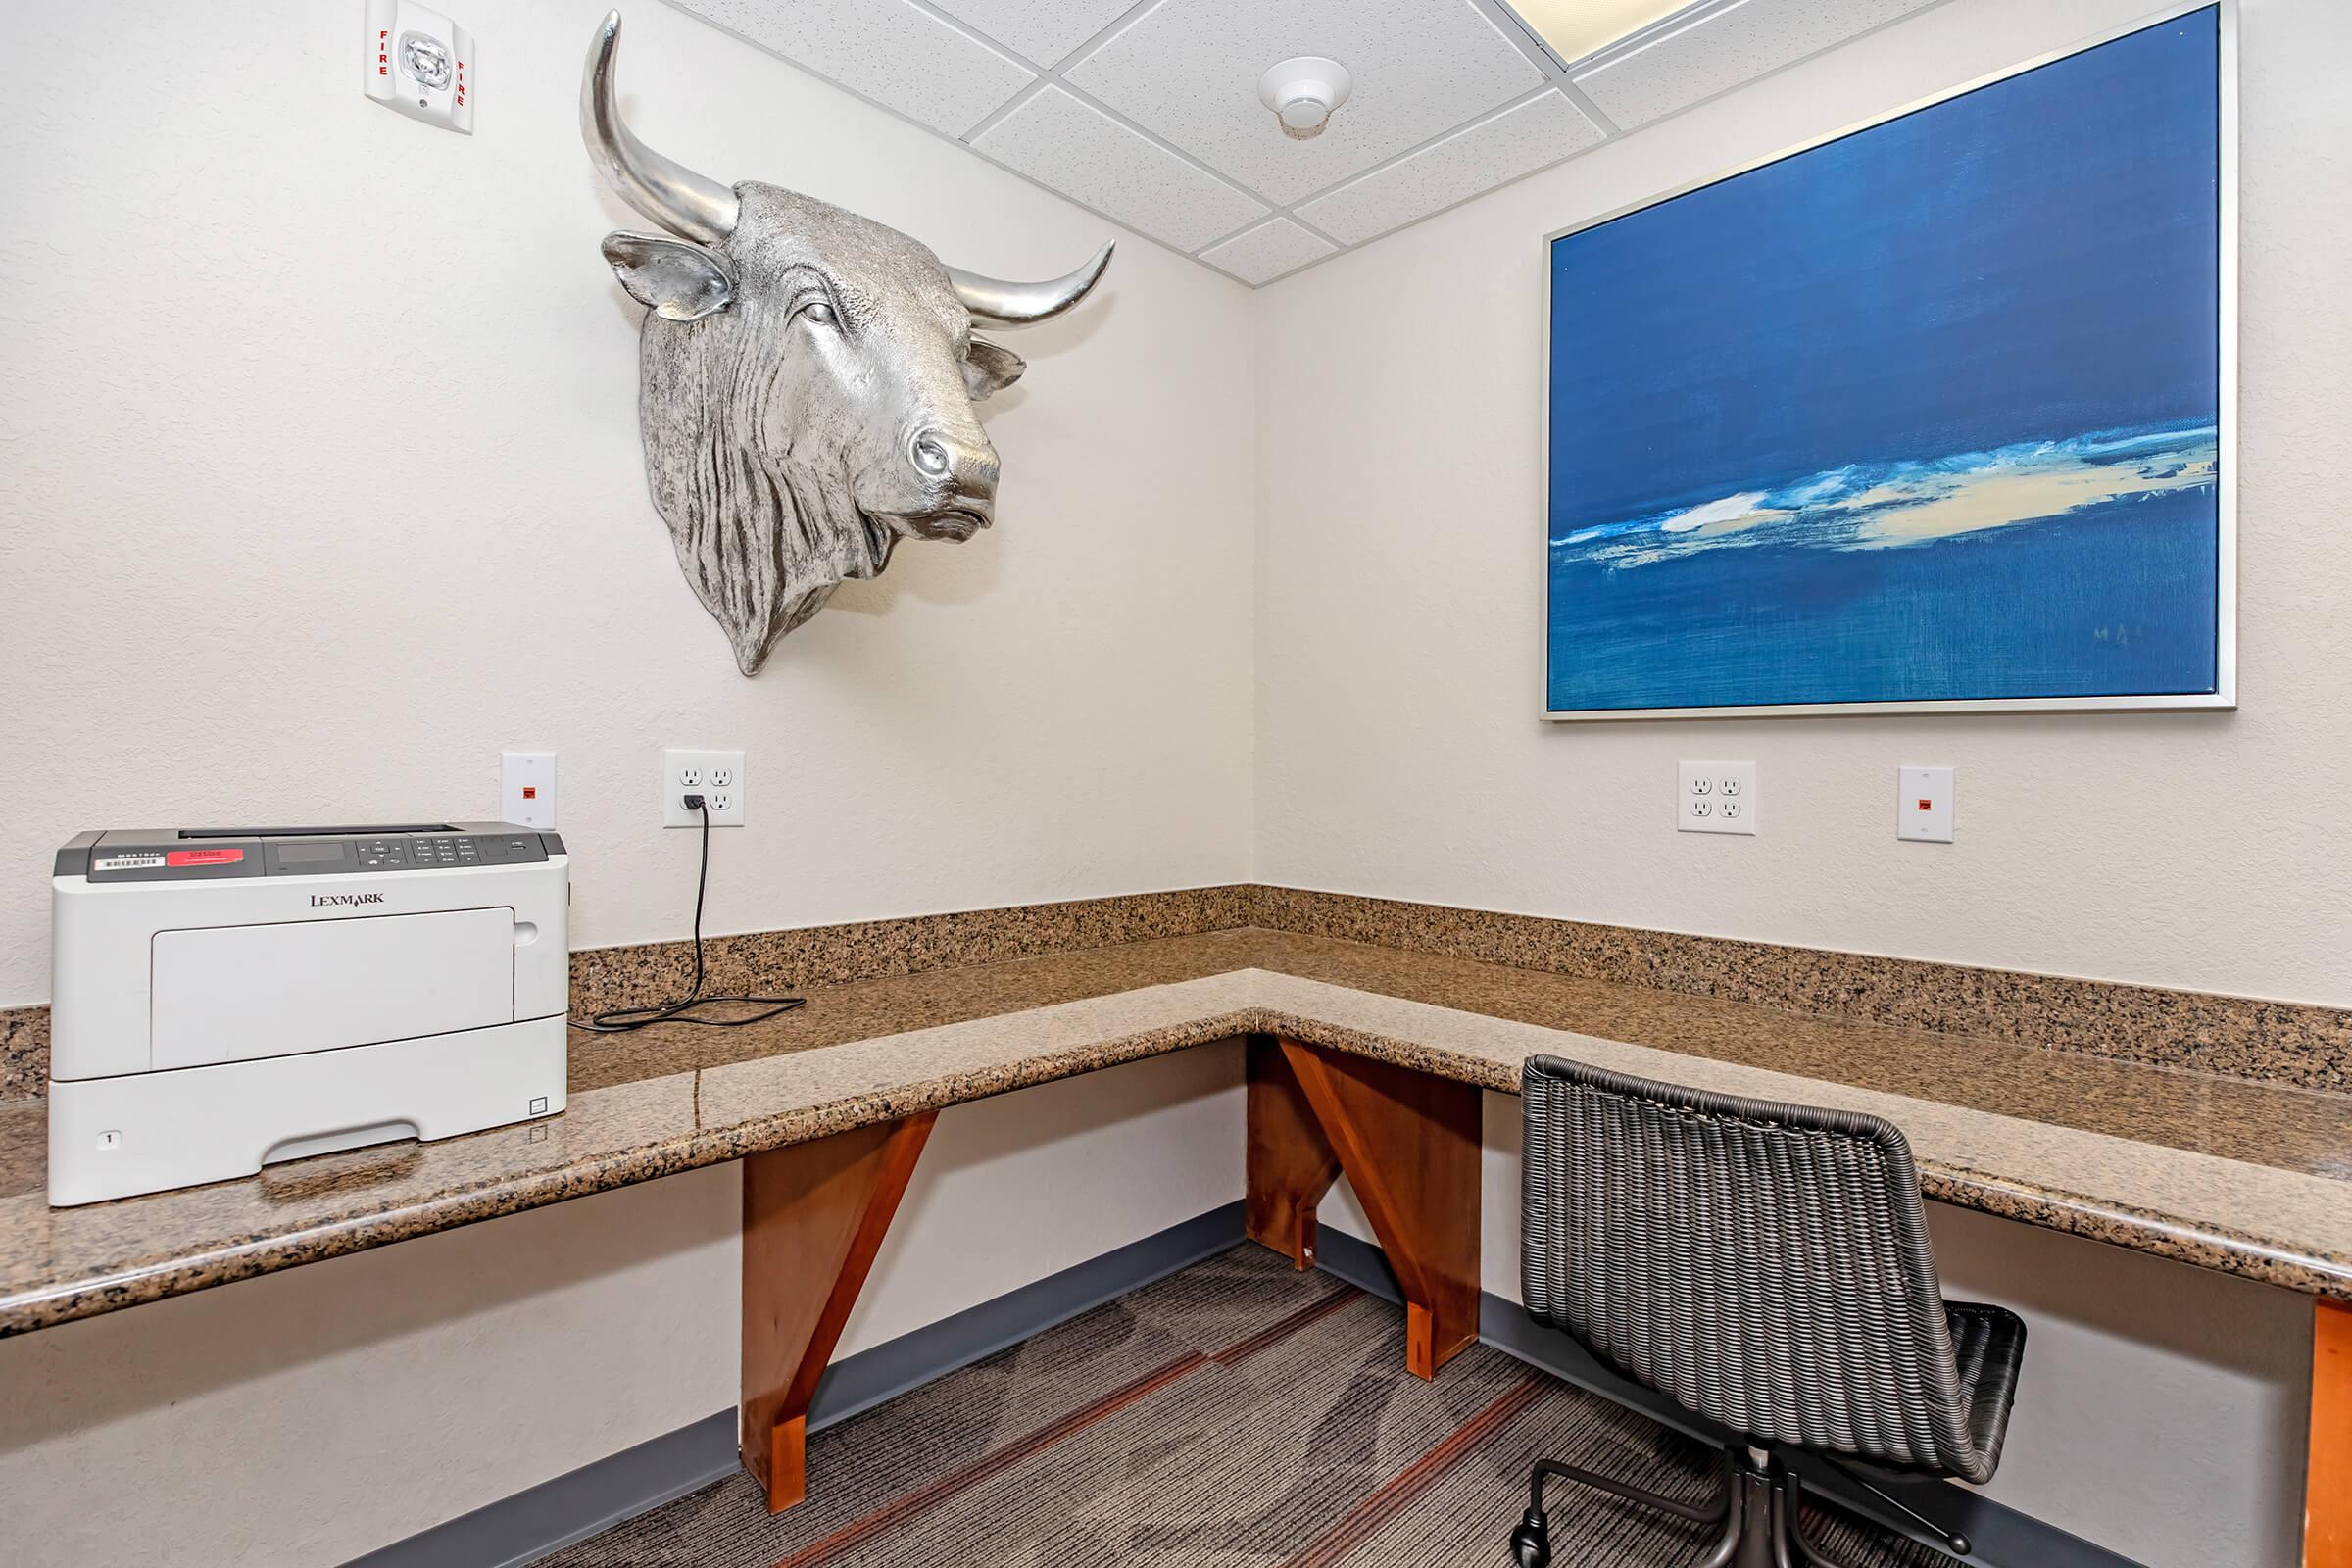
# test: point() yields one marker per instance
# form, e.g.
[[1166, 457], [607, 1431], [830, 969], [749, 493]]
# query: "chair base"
[[1757, 1515]]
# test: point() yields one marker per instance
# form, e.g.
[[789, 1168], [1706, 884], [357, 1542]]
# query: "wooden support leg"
[[1409, 1143], [813, 1217], [1291, 1162], [2327, 1493]]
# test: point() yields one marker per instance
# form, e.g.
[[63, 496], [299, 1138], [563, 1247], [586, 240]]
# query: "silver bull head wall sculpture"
[[807, 379]]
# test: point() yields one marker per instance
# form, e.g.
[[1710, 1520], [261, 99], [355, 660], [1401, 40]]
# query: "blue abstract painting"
[[1930, 412]]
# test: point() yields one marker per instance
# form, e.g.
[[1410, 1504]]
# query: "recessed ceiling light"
[[1302, 93], [1575, 28]]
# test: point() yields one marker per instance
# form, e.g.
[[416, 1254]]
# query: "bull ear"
[[682, 282], [991, 368]]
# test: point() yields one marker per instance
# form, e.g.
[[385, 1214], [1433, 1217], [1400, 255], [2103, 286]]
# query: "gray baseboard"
[[2003, 1538], [573, 1507], [597, 1496]]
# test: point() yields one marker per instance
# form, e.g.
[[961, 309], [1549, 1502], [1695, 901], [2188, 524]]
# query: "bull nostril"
[[947, 463]]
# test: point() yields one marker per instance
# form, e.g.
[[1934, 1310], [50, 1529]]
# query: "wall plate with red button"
[[526, 789], [1923, 805], [420, 63]]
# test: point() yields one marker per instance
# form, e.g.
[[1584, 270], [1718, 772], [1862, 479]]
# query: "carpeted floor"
[[1235, 1415]]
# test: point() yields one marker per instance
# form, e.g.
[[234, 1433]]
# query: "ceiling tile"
[[1045, 31], [899, 55], [1476, 158], [1085, 154], [1187, 70], [1725, 48], [1268, 251], [1159, 127]]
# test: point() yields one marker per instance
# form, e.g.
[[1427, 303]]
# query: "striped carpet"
[[1235, 1415]]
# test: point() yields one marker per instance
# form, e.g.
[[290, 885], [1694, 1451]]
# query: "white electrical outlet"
[[1923, 805], [716, 776], [1715, 798], [526, 789]]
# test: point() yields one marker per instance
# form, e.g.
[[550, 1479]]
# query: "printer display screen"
[[309, 853]]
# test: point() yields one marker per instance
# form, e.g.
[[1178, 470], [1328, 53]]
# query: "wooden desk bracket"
[[2328, 1491], [1408, 1143], [813, 1217]]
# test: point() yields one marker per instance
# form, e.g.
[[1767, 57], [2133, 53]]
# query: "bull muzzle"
[[961, 473]]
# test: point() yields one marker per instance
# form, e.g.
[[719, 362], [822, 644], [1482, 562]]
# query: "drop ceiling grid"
[[1045, 31], [1274, 248], [1186, 70], [1015, 101]]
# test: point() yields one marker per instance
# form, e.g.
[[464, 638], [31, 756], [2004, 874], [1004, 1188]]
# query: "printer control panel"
[[417, 852], [164, 857]]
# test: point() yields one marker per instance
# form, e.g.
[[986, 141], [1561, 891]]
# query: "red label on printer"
[[203, 856]]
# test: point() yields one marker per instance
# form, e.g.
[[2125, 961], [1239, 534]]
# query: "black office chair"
[[1766, 1266]]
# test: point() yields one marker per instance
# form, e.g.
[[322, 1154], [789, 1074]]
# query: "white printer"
[[223, 998]]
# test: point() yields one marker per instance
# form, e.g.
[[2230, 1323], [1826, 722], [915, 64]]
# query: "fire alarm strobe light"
[[420, 63], [1302, 93]]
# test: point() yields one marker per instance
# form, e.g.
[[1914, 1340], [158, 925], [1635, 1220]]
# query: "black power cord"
[[620, 1020]]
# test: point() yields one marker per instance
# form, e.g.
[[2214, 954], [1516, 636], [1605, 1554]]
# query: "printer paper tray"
[[146, 1132]]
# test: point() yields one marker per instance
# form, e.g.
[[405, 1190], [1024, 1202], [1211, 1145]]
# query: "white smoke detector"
[[1302, 93]]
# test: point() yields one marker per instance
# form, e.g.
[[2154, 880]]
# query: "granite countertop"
[[2246, 1178]]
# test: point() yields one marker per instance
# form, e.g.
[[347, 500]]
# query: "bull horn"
[[1002, 304], [689, 205]]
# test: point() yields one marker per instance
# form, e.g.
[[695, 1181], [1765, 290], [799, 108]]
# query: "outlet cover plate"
[[1923, 805], [1715, 798], [718, 778], [526, 789]]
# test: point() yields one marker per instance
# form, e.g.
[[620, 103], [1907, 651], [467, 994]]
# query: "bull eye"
[[818, 311]]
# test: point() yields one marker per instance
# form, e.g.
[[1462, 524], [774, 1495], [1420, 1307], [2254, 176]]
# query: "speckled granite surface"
[[2252, 1179], [807, 955], [2238, 1037], [873, 949], [23, 1052]]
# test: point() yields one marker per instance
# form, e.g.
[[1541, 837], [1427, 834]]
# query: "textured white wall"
[[323, 486], [214, 610], [1399, 753], [304, 1418], [1399, 598]]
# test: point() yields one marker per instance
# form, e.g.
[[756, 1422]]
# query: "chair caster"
[[1530, 1542]]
